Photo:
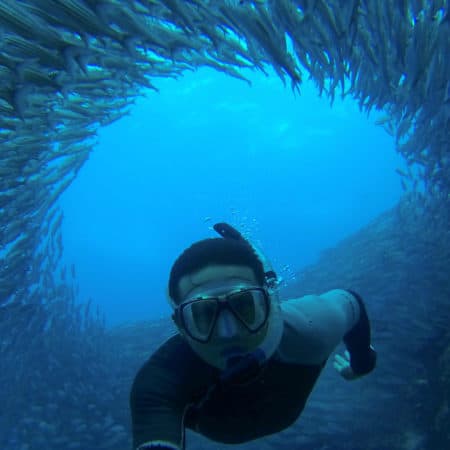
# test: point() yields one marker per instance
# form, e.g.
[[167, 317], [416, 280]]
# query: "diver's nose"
[[226, 325]]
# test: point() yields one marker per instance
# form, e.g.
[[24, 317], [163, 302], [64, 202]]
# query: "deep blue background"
[[293, 173]]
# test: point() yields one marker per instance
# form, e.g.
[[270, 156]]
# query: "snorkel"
[[250, 363]]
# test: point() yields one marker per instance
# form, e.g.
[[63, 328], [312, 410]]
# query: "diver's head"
[[223, 303]]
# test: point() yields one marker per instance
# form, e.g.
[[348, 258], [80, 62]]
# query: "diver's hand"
[[156, 446], [342, 365]]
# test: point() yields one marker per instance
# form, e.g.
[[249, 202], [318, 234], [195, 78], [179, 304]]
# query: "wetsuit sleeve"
[[316, 324], [357, 340], [161, 393]]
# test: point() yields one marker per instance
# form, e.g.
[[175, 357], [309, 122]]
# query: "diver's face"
[[229, 337]]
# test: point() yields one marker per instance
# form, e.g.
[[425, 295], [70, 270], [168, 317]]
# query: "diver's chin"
[[218, 356], [225, 358]]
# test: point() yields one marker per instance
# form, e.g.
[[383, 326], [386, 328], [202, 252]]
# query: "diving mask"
[[199, 316]]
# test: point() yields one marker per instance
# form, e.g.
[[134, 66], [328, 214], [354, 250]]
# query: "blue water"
[[295, 173]]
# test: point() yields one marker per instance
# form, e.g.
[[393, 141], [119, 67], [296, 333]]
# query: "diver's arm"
[[160, 396], [316, 324], [156, 417]]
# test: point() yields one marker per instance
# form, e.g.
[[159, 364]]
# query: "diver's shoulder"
[[172, 348], [295, 312], [172, 360], [173, 342], [338, 294], [167, 354], [295, 304], [291, 305], [301, 343]]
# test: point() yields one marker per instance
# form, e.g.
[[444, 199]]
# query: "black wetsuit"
[[170, 391], [175, 388]]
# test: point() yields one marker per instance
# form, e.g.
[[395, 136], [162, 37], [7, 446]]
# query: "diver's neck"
[[243, 370]]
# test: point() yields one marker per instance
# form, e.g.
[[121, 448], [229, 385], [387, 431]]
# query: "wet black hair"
[[214, 251]]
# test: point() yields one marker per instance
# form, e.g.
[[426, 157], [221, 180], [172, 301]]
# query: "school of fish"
[[69, 67]]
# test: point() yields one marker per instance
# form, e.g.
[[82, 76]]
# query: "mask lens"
[[199, 317], [251, 307]]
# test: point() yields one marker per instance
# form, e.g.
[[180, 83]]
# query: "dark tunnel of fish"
[[69, 67]]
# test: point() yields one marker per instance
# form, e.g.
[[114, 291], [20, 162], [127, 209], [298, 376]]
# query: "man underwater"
[[243, 364]]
